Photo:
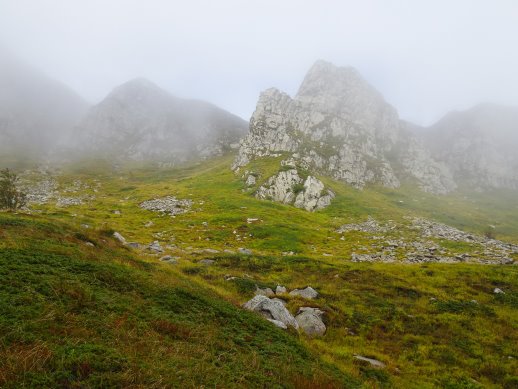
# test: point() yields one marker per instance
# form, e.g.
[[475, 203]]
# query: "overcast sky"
[[426, 57]]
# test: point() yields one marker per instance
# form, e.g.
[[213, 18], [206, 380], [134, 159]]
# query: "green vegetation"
[[79, 309], [11, 197], [77, 315]]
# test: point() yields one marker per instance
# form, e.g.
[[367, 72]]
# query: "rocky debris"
[[68, 201], [41, 191], [264, 292], [373, 362], [340, 126], [170, 259], [119, 237], [149, 224], [498, 291], [250, 180], [370, 226], [90, 244], [307, 293], [207, 262], [210, 251], [271, 309], [244, 251], [398, 242], [134, 245], [280, 289], [288, 187], [168, 205], [155, 247], [310, 321]]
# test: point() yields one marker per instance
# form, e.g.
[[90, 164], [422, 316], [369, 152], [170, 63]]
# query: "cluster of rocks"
[[370, 226], [288, 187], [307, 319], [403, 246], [168, 205]]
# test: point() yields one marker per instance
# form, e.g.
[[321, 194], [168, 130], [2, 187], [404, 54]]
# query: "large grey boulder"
[[310, 321], [268, 292], [307, 293], [272, 310]]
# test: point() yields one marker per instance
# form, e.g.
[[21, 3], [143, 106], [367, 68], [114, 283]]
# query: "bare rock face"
[[288, 187], [338, 125]]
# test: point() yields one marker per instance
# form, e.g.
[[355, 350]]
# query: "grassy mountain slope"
[[76, 315], [421, 320]]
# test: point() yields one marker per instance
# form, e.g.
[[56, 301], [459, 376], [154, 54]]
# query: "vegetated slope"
[[140, 121], [77, 310], [434, 325], [37, 113]]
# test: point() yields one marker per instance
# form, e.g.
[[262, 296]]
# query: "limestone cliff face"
[[479, 146], [338, 125]]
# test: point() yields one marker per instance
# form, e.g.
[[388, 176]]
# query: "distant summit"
[[141, 121], [36, 112], [478, 145]]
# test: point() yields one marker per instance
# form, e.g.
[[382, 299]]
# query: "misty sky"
[[426, 57]]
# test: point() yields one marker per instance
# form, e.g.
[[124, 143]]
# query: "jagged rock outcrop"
[[338, 125], [289, 187], [478, 145], [140, 121]]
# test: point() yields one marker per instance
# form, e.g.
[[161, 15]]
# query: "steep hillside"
[[402, 276], [140, 121], [37, 113], [478, 145], [79, 310]]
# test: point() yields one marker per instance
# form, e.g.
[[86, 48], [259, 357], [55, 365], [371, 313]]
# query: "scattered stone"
[[210, 251], [168, 205], [155, 246], [229, 251], [149, 224], [244, 251], [250, 180], [170, 259], [116, 212], [271, 309], [373, 362], [90, 244], [119, 237], [133, 245], [307, 293], [310, 321], [498, 291], [251, 220], [207, 262], [264, 292], [280, 289]]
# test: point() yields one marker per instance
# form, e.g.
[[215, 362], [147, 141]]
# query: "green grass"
[[420, 320], [77, 316]]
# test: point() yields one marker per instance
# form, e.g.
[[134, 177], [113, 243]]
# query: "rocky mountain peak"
[[338, 125]]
